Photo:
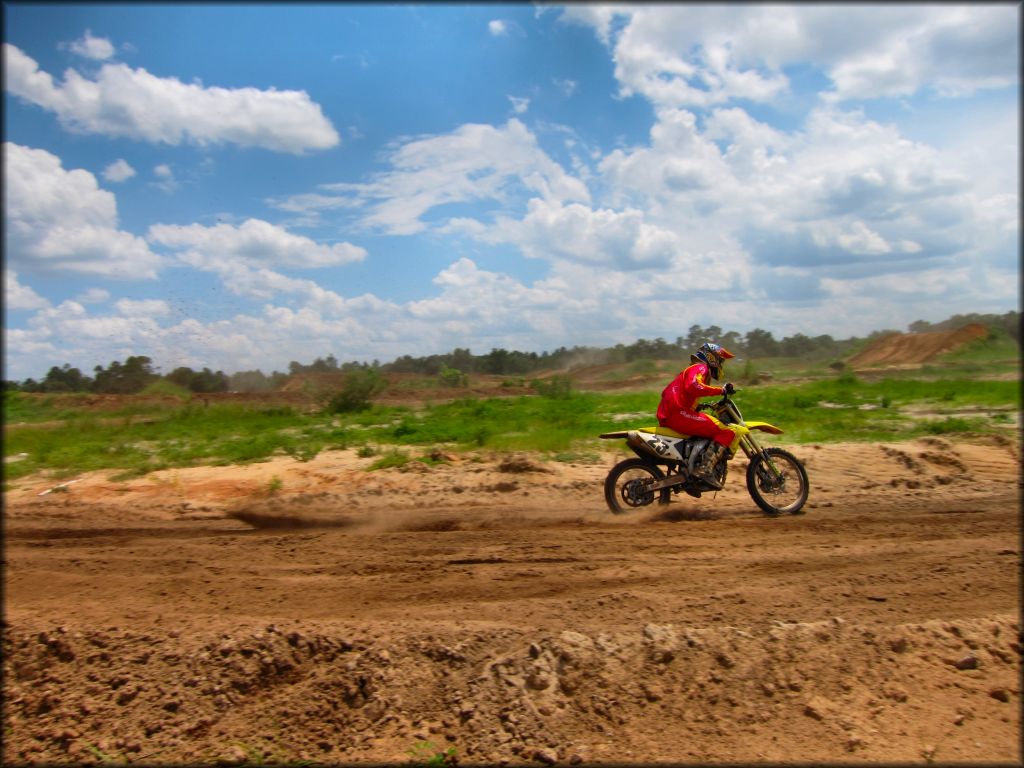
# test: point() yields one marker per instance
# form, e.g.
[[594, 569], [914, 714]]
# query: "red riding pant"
[[698, 425]]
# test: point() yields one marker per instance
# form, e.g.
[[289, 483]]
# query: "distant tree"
[[1010, 322], [65, 379], [405, 364], [694, 337], [796, 345], [761, 343], [209, 381], [128, 378], [321, 365], [659, 349], [249, 381], [496, 362], [462, 359], [731, 341], [182, 376]]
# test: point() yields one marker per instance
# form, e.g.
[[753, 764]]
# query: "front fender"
[[764, 426]]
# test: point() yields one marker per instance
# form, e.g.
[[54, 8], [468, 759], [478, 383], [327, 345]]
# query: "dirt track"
[[286, 611]]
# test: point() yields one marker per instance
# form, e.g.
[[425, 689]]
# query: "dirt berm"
[[493, 610], [916, 348]]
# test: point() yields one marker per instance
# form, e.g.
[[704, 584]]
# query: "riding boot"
[[706, 468]]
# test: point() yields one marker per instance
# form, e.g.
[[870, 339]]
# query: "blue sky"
[[240, 186]]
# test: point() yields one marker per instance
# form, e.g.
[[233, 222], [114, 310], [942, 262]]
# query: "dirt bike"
[[667, 463]]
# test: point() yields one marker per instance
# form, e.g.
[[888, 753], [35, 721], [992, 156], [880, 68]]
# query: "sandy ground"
[[491, 608]]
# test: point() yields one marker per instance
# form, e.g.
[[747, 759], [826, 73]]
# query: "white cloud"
[[90, 47], [59, 220], [254, 242], [20, 297], [142, 307], [616, 239], [844, 188], [165, 178], [118, 171], [497, 27], [472, 164], [132, 103], [703, 55], [93, 296], [242, 256], [519, 105], [955, 50], [566, 86]]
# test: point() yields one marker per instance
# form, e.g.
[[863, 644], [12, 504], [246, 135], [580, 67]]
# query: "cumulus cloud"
[[254, 242], [132, 103], [93, 296], [58, 220], [165, 179], [474, 163], [844, 189], [565, 86], [18, 296], [704, 55], [90, 47], [118, 171], [621, 240], [142, 307], [519, 105], [497, 27]]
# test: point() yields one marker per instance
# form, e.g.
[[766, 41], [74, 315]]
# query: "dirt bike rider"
[[678, 407]]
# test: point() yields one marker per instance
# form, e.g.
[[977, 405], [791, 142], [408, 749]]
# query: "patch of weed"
[[391, 459], [428, 753]]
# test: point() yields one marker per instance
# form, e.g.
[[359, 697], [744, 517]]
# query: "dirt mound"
[[269, 694], [916, 348]]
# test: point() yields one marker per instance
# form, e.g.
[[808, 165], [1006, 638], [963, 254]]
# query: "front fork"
[[752, 448]]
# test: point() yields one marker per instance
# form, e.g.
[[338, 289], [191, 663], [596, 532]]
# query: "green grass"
[[138, 438], [997, 347], [845, 408], [184, 435]]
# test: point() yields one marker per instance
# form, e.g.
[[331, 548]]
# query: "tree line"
[[137, 372]]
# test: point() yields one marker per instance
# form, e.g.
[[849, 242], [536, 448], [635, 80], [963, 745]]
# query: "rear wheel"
[[777, 482], [626, 487]]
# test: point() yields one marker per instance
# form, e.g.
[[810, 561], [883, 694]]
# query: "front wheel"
[[777, 482], [625, 488]]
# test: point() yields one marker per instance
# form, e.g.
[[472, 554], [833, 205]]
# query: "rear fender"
[[651, 445]]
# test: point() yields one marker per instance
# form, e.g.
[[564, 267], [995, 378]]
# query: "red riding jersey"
[[677, 409]]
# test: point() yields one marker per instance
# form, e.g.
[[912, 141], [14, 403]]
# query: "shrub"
[[453, 377], [557, 387], [393, 458], [356, 391]]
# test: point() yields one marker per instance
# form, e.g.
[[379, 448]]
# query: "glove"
[[729, 388]]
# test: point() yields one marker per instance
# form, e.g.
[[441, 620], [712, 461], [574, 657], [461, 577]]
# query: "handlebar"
[[729, 389]]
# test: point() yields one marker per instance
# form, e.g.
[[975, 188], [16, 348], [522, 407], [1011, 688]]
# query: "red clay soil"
[[493, 609], [916, 348]]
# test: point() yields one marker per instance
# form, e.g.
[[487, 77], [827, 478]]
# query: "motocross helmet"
[[714, 356]]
